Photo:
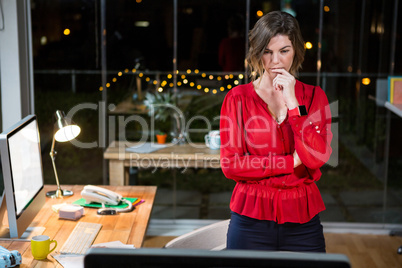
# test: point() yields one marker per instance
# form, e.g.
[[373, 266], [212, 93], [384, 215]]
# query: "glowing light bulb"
[[66, 31], [119, 73], [366, 81], [43, 40], [260, 13], [308, 45]]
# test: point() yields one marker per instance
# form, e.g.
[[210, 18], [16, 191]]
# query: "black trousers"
[[249, 233]]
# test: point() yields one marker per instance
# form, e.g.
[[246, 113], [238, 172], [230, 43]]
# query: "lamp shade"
[[65, 129]]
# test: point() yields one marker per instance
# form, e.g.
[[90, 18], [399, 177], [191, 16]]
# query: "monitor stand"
[[30, 232], [26, 236]]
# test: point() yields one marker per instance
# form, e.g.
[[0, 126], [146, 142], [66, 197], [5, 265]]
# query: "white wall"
[[16, 68]]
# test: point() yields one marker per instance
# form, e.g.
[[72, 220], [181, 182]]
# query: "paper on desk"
[[68, 260], [77, 261], [56, 207], [147, 147], [114, 244]]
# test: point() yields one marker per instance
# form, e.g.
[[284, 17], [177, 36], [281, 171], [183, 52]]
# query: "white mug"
[[213, 140]]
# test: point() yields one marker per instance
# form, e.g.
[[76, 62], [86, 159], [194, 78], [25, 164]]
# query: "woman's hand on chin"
[[286, 82]]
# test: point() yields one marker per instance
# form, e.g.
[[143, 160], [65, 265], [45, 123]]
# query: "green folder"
[[82, 203]]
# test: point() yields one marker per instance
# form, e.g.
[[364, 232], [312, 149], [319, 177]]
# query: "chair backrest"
[[210, 237]]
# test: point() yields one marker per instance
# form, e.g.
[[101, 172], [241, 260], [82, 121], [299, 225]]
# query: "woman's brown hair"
[[270, 25]]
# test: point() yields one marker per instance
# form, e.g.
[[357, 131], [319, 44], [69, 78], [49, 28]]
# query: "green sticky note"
[[81, 202]]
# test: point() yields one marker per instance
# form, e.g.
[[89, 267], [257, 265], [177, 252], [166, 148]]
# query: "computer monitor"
[[158, 258], [21, 161]]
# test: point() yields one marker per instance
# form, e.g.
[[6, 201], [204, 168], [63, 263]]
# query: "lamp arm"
[[53, 157]]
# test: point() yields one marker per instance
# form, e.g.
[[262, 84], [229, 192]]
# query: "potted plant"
[[161, 137], [162, 106]]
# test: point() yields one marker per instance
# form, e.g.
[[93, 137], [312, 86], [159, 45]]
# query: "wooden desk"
[[129, 228], [195, 155]]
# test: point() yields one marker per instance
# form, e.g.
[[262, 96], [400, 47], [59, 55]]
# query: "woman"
[[275, 135]]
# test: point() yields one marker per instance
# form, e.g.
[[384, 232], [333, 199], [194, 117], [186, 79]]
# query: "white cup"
[[213, 140]]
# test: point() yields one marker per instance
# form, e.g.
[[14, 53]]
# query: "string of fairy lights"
[[165, 81]]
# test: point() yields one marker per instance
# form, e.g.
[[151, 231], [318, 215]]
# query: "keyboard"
[[81, 238]]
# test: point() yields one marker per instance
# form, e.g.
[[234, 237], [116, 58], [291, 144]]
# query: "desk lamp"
[[65, 130]]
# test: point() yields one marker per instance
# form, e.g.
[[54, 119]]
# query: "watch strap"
[[302, 110], [298, 111]]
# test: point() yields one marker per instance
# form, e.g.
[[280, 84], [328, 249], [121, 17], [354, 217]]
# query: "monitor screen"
[[26, 166], [21, 164]]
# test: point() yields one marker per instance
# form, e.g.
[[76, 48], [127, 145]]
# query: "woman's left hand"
[[286, 82], [296, 160]]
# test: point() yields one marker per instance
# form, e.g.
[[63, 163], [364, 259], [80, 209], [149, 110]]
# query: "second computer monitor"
[[160, 258]]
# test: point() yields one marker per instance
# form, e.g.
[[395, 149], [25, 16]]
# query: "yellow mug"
[[40, 246]]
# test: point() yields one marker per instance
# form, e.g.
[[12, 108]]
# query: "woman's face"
[[278, 54]]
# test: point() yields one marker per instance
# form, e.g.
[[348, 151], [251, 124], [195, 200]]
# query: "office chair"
[[210, 237]]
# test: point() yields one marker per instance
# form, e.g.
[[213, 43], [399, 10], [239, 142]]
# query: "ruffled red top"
[[257, 153]]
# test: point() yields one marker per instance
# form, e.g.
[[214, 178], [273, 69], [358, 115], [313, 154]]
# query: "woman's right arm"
[[236, 162]]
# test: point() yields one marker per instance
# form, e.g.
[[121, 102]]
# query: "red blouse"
[[257, 153]]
